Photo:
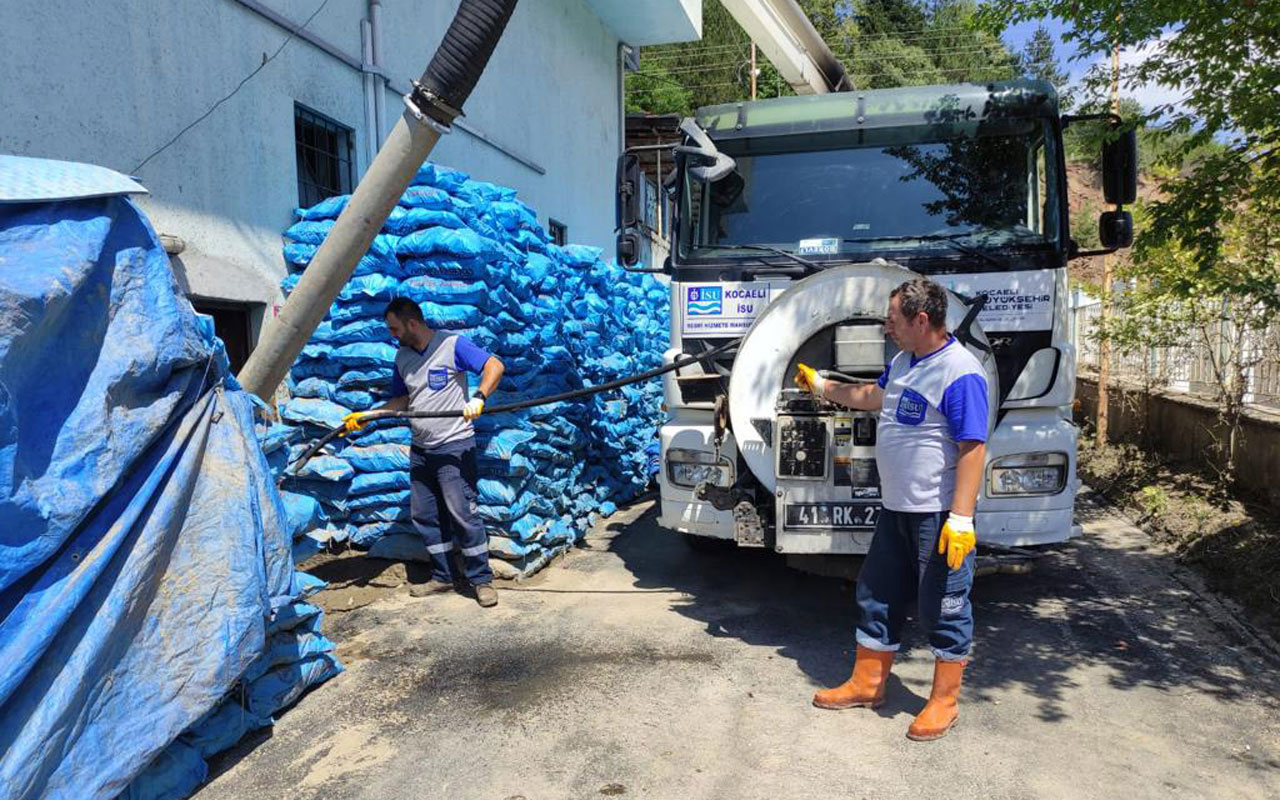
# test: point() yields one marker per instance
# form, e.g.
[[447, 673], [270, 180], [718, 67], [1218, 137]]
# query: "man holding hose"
[[930, 446], [431, 375]]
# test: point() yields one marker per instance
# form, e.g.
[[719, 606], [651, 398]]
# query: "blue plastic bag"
[[283, 685], [379, 482], [303, 513], [173, 775], [378, 457], [369, 288], [365, 355], [323, 413], [446, 178], [462, 243], [441, 317], [404, 221]]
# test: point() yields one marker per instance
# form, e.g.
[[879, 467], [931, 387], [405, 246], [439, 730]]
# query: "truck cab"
[[795, 218]]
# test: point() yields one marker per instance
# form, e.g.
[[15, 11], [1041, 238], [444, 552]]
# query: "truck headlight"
[[1028, 473], [688, 468]]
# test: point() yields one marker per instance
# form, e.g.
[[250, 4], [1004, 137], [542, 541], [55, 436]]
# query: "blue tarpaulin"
[[142, 545]]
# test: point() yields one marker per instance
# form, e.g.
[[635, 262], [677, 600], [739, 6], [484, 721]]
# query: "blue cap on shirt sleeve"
[[964, 404], [398, 389], [883, 380], [469, 356]]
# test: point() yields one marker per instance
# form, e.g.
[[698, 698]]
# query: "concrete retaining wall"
[[1185, 429]]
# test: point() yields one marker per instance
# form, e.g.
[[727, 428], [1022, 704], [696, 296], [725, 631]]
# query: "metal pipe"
[[353, 62], [371, 84], [790, 41], [380, 96], [623, 51], [371, 203], [437, 99]]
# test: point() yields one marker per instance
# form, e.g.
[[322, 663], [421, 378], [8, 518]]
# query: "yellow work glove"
[[957, 539], [356, 420], [807, 378], [474, 407]]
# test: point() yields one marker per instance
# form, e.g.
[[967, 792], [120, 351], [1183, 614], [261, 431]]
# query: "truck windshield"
[[986, 185]]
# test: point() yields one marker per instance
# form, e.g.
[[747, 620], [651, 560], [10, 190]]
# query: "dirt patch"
[[1234, 544], [355, 580], [350, 750], [521, 674]]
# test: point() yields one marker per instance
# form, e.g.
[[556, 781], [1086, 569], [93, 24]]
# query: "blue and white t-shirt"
[[435, 379], [930, 403]]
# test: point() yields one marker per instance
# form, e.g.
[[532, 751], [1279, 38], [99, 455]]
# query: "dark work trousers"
[[443, 506], [904, 567]]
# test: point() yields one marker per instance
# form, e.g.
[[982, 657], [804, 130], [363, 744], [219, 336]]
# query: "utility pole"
[[753, 69], [1104, 346]]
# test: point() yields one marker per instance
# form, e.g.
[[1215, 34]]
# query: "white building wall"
[[110, 82]]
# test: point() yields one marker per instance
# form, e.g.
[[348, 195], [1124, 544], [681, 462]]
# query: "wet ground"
[[635, 667]]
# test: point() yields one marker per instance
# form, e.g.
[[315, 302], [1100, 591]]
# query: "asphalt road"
[[637, 668]]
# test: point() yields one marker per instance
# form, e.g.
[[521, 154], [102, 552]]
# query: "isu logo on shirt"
[[437, 378], [911, 407]]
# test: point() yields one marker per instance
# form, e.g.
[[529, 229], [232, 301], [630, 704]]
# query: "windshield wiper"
[[948, 238], [813, 265]]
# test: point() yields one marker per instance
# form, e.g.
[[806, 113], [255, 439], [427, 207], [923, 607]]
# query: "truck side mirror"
[[630, 247], [1120, 169], [1115, 229], [628, 208]]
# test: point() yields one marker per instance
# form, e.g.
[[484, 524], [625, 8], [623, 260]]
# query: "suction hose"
[[319, 444], [431, 107]]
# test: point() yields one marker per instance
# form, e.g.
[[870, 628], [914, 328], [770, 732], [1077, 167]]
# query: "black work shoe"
[[432, 586], [486, 595]]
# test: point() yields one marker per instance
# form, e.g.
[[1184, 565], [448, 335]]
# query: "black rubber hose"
[[466, 49], [523, 404]]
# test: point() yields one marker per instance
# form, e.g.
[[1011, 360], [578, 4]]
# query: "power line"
[[239, 86], [678, 49], [705, 67], [899, 56], [932, 35]]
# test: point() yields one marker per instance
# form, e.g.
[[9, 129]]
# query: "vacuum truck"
[[793, 219]]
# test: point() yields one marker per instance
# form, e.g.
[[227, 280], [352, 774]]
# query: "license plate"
[[831, 516]]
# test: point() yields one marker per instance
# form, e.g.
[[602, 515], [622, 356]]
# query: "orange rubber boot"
[[865, 687], [941, 712]]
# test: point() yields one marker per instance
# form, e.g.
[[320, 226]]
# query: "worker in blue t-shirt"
[[431, 375], [930, 446]]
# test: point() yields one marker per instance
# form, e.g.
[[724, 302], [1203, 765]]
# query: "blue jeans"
[[442, 502], [903, 566]]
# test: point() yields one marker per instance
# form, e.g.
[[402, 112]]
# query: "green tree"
[[1038, 60], [889, 17], [656, 91], [1225, 58], [1228, 314], [882, 43], [1082, 141], [962, 50], [902, 43], [713, 70]]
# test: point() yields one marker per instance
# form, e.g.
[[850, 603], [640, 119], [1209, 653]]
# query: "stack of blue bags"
[[297, 656], [151, 610], [478, 263]]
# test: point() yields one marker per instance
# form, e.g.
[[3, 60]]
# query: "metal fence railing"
[[1188, 369]]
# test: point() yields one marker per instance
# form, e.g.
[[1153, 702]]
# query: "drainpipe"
[[372, 87], [430, 109], [380, 80], [624, 50]]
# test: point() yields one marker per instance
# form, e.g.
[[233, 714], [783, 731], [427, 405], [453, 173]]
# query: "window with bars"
[[325, 163], [558, 231]]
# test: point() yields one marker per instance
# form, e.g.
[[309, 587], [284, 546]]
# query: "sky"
[[1150, 95]]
